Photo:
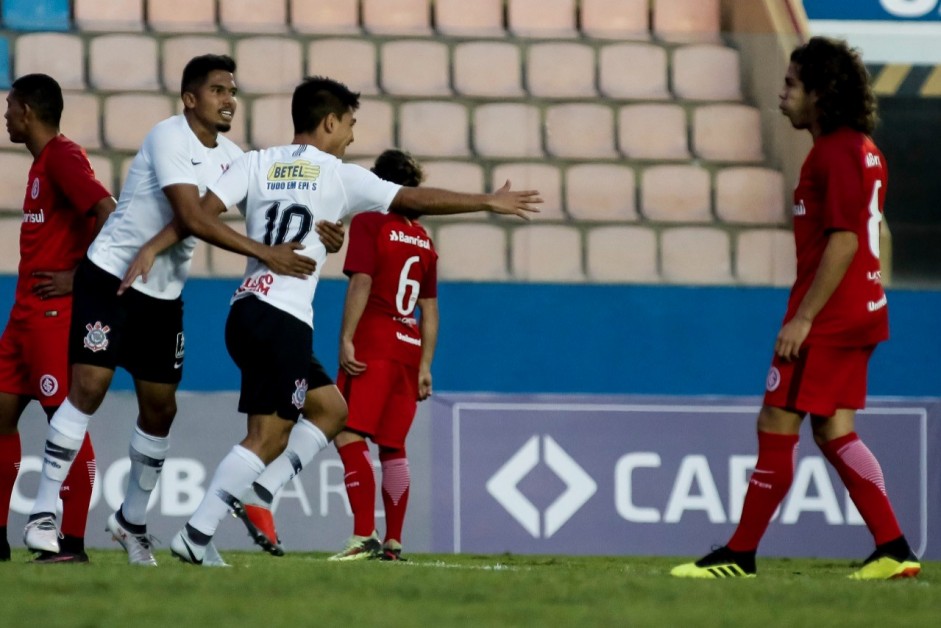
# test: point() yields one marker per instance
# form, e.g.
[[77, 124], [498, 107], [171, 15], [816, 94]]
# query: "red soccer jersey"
[[842, 188], [399, 256], [57, 228]]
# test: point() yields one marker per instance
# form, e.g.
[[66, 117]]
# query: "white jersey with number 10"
[[286, 190]]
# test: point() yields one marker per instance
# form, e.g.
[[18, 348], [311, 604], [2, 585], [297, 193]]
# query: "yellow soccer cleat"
[[887, 568], [721, 563]]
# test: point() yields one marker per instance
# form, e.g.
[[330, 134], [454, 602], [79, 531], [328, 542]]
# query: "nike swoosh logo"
[[177, 365], [194, 162]]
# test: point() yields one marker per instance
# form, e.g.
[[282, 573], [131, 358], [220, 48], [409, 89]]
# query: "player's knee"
[[88, 387], [156, 415]]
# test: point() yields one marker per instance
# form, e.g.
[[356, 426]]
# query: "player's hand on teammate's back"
[[282, 259], [515, 202], [424, 384], [348, 361], [331, 234], [53, 283], [791, 337]]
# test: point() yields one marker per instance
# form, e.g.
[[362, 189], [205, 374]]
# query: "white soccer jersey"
[[288, 190], [171, 154]]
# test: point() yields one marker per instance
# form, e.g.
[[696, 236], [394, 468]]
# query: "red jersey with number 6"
[[57, 228], [399, 256], [842, 188]]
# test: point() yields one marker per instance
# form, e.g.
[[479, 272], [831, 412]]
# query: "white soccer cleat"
[[138, 546], [213, 558], [183, 548], [360, 548], [42, 535]]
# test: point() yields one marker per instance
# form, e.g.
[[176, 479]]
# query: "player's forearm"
[[357, 295], [836, 260], [101, 210], [436, 201], [172, 233], [429, 331]]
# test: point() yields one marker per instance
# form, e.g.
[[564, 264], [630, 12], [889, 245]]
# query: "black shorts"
[[140, 333], [273, 351]]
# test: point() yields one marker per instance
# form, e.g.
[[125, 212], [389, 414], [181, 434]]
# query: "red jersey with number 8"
[[399, 256], [842, 188]]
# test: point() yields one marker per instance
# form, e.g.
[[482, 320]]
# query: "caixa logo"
[[911, 8], [503, 486]]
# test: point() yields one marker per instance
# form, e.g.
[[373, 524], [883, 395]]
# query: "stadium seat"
[[244, 16], [686, 20], [10, 235], [695, 255], [533, 176], [507, 130], [125, 167], [490, 69], [177, 52], [14, 168], [128, 118], [259, 73], [633, 71], [653, 131], [56, 54], [434, 129], [33, 15], [352, 59], [706, 72], [271, 121], [224, 263], [727, 133], [750, 195], [561, 70], [580, 131], [622, 254], [340, 17], [471, 252], [104, 172], [374, 131], [542, 252], [81, 121], [460, 18], [109, 15], [123, 63], [615, 19], [333, 267], [4, 63], [600, 192], [545, 19], [766, 257], [397, 17], [415, 68], [182, 16], [460, 176], [679, 193]]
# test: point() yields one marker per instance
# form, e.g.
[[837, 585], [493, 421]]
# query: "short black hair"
[[197, 70], [316, 98], [397, 166], [838, 76], [43, 95]]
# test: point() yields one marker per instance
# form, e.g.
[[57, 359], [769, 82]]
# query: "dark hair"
[[316, 98], [197, 70], [397, 166], [43, 95], [836, 73]]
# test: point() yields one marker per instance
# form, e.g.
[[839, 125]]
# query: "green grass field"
[[447, 590]]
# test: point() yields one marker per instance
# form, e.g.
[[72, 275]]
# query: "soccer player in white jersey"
[[142, 329], [270, 326]]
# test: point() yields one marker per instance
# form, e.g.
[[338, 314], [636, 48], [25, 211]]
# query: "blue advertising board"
[[880, 10]]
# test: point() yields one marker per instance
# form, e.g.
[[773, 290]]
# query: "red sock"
[[10, 455], [862, 475], [769, 483], [396, 480], [76, 491], [360, 486]]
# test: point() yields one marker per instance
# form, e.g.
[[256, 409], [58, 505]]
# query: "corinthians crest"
[[97, 337], [299, 393]]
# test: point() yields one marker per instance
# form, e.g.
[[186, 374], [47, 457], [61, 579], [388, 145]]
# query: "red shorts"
[[382, 401], [821, 381], [34, 362]]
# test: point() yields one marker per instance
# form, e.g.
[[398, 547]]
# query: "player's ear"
[[330, 122], [189, 100]]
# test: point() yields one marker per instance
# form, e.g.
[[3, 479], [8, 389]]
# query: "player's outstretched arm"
[[436, 201]]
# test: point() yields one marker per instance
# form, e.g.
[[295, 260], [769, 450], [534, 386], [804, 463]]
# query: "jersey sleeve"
[[232, 185], [71, 172], [167, 151], [844, 196], [365, 192], [361, 251]]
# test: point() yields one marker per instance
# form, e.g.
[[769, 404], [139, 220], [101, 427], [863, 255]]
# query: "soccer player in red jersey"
[[64, 208], [836, 315]]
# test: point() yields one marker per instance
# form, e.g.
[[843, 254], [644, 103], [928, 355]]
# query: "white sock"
[[147, 455], [233, 478], [63, 439], [305, 442]]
